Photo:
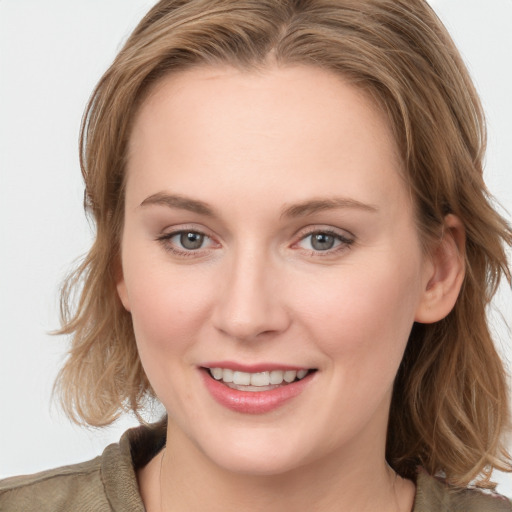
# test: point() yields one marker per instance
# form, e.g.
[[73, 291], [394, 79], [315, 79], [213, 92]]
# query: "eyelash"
[[171, 247], [344, 242]]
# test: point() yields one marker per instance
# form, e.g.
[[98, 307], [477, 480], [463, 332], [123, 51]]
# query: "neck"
[[182, 478]]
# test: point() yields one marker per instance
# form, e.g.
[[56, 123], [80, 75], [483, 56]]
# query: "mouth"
[[255, 388], [257, 381]]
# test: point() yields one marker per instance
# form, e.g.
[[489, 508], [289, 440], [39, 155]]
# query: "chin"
[[257, 465], [257, 456]]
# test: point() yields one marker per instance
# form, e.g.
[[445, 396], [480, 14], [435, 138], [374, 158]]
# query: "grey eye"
[[191, 240], [322, 241]]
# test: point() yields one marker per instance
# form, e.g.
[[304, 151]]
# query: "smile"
[[261, 391], [258, 381]]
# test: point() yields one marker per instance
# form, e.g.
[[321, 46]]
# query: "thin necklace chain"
[[160, 480], [395, 494]]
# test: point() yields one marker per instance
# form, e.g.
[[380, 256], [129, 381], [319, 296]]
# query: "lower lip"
[[253, 402]]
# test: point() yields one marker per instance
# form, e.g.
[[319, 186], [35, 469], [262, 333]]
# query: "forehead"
[[302, 92], [305, 126]]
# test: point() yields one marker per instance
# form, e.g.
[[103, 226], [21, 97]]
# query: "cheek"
[[167, 309], [168, 314], [364, 314]]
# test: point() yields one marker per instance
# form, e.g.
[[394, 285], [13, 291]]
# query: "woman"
[[294, 252]]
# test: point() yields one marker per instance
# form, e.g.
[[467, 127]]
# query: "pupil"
[[191, 240], [322, 242]]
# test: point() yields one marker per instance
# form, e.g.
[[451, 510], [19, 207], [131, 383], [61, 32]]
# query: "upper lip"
[[252, 368]]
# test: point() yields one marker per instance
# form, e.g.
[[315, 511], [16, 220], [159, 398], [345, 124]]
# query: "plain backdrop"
[[51, 55]]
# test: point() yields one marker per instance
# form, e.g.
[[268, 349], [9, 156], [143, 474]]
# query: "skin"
[[255, 149]]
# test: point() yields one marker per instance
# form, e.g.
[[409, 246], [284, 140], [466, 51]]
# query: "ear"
[[123, 294], [445, 274], [122, 291]]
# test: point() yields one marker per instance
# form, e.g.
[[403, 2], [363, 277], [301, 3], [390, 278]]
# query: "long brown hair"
[[450, 407]]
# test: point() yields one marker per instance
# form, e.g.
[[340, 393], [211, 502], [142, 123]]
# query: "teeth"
[[241, 378], [301, 374], [227, 375], [276, 377], [289, 376], [259, 379], [216, 373]]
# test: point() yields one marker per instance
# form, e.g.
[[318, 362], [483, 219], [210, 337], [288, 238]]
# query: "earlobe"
[[122, 292], [446, 273]]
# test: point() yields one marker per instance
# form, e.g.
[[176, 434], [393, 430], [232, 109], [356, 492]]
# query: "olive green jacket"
[[108, 483]]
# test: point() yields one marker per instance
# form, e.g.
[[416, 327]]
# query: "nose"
[[250, 304]]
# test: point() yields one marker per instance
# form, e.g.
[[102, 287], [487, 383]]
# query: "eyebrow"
[[295, 210], [177, 201], [319, 205]]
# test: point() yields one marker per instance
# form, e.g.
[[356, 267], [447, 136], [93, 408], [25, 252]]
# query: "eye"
[[185, 241], [324, 241], [189, 240]]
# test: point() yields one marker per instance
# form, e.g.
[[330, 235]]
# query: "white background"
[[51, 55]]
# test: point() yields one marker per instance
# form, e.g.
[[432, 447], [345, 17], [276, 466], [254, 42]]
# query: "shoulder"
[[434, 495], [104, 484], [65, 488]]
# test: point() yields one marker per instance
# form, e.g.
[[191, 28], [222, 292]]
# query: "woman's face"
[[269, 235]]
